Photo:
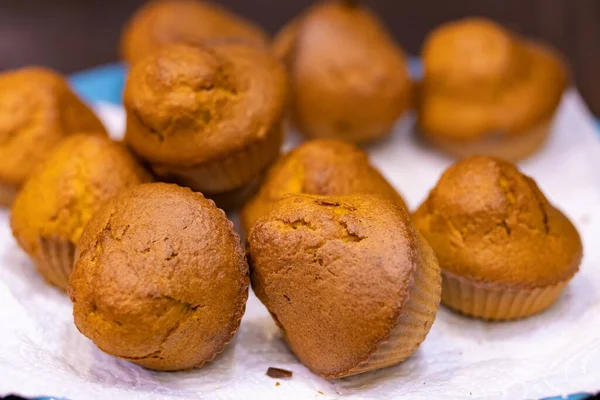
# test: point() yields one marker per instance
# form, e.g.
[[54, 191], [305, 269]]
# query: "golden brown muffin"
[[348, 279], [505, 252], [348, 78], [163, 22], [210, 117], [322, 166], [37, 110], [161, 279], [487, 91], [63, 193]]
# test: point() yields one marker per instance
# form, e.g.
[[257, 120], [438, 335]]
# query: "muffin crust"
[[487, 91], [37, 110], [206, 117], [338, 275], [499, 242], [161, 279], [348, 78]]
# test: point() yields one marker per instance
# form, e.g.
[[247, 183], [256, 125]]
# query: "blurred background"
[[71, 35]]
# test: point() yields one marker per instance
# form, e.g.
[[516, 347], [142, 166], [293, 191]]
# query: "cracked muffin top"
[[488, 222], [161, 278], [163, 22], [334, 271], [482, 79], [323, 167], [37, 110], [188, 105]]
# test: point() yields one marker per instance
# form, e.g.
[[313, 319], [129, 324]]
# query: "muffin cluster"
[[135, 234]]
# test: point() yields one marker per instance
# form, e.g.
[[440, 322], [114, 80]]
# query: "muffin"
[[348, 78], [37, 110], [487, 91], [161, 279], [163, 22], [322, 166], [63, 193], [209, 117], [348, 280], [505, 252]]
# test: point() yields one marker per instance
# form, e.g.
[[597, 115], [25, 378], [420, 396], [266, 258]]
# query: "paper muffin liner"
[[511, 147], [230, 172], [54, 260], [495, 302], [7, 195], [414, 322]]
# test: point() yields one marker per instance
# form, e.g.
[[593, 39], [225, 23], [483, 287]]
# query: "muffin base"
[[415, 319], [55, 259], [507, 147], [229, 173], [495, 302], [7, 195]]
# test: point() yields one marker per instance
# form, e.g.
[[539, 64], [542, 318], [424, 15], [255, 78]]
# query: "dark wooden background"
[[70, 35]]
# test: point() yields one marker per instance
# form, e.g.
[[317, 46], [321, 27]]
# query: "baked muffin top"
[[480, 78], [349, 78], [488, 222], [334, 272], [163, 22], [161, 278], [37, 110], [187, 105], [65, 190], [323, 167]]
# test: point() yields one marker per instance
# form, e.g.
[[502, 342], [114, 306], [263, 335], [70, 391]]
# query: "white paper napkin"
[[557, 352]]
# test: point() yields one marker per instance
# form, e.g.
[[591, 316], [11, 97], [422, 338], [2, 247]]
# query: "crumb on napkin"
[[278, 373]]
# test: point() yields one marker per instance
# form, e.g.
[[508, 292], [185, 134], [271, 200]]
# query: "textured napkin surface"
[[558, 352]]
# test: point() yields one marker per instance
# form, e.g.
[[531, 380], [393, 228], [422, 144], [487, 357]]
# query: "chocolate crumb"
[[277, 383], [320, 392], [278, 373]]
